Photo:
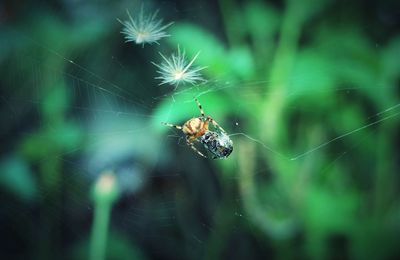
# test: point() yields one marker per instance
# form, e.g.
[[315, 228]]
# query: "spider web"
[[115, 124]]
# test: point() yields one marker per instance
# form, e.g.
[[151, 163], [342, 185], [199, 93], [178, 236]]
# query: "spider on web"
[[217, 142]]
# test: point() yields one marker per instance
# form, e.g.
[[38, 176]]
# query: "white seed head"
[[175, 69], [144, 29]]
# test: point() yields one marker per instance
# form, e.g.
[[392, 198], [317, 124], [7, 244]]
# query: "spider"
[[196, 129]]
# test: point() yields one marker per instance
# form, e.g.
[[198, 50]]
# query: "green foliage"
[[316, 78], [312, 77], [17, 178], [262, 21], [212, 52]]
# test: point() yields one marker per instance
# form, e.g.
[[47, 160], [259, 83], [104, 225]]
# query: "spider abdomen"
[[218, 143], [195, 127]]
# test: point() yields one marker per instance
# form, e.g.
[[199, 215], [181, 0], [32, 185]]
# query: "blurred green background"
[[308, 89]]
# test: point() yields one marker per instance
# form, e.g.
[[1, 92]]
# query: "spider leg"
[[215, 124], [171, 125], [200, 107], [190, 144]]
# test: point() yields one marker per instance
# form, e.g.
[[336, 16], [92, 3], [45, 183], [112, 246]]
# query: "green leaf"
[[304, 10], [311, 77], [55, 101], [242, 63], [66, 135], [16, 177], [193, 39], [326, 212], [261, 19], [183, 107]]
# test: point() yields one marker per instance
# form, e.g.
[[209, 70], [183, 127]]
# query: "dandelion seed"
[[144, 29], [176, 70]]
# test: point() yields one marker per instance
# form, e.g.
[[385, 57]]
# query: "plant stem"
[[105, 194], [100, 231]]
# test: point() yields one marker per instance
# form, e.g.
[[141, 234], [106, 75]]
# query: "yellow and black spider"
[[197, 129]]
